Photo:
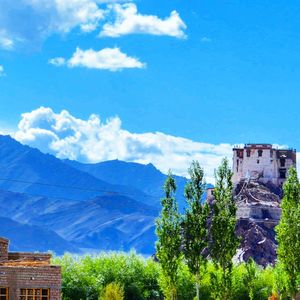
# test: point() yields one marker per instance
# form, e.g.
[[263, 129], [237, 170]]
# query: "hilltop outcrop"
[[258, 212]]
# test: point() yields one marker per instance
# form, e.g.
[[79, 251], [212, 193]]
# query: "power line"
[[76, 188], [43, 196]]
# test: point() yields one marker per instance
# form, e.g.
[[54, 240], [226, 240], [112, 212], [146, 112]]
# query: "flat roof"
[[261, 146]]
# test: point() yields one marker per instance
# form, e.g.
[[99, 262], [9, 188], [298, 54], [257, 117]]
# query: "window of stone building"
[[257, 161], [260, 152], [240, 153], [282, 162], [248, 152], [282, 173], [271, 153], [35, 294], [3, 293]]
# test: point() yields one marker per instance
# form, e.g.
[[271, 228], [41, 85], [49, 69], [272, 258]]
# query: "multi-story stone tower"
[[262, 162]]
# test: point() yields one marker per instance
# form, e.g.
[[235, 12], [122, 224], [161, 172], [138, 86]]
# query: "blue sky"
[[220, 72]]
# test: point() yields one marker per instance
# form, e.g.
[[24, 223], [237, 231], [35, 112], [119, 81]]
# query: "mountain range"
[[62, 205]]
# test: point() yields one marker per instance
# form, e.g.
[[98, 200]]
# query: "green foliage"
[[85, 277], [251, 277], [195, 232], [113, 291], [168, 231], [281, 280], [132, 277], [288, 232], [224, 241]]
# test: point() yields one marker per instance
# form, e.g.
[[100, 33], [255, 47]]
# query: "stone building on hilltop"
[[259, 170], [262, 162], [28, 276]]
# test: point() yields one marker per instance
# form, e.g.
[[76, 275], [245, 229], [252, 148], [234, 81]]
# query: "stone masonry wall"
[[247, 211]]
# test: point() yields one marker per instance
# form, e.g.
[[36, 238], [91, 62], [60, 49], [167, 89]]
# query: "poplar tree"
[[195, 232], [224, 242], [288, 231], [168, 231]]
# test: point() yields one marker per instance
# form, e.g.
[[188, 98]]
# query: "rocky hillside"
[[258, 213]]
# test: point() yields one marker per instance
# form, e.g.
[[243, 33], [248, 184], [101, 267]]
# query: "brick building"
[[28, 276]]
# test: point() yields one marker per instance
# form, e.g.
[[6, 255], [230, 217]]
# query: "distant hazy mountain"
[[24, 237], [142, 177], [50, 204], [22, 167], [105, 223]]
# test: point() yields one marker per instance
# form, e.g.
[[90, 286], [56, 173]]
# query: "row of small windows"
[[282, 162], [27, 294], [259, 153]]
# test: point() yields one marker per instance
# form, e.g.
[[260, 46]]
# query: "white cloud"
[[64, 15], [57, 61], [2, 72], [6, 42], [205, 39], [106, 59], [32, 21], [129, 21], [29, 22], [92, 140]]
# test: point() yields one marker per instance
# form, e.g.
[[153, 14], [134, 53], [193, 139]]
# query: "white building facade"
[[262, 162]]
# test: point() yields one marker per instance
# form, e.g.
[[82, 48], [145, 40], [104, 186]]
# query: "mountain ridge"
[[33, 193]]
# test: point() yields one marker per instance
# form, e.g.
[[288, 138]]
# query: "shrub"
[[113, 291]]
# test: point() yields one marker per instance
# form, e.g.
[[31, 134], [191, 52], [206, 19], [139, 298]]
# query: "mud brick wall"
[[17, 278], [29, 256], [3, 249]]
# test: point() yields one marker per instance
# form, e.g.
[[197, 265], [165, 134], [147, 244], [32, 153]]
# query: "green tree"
[[224, 242], [195, 232], [168, 231], [251, 277], [113, 291], [288, 231]]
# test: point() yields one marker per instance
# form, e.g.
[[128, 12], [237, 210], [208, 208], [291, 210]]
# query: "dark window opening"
[[260, 152], [257, 161], [282, 162], [237, 165], [271, 153], [248, 152], [3, 293], [265, 214], [240, 153], [282, 174]]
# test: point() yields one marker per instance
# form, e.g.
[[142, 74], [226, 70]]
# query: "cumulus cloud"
[[34, 20], [93, 140], [111, 59], [129, 21], [31, 21], [64, 15]]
